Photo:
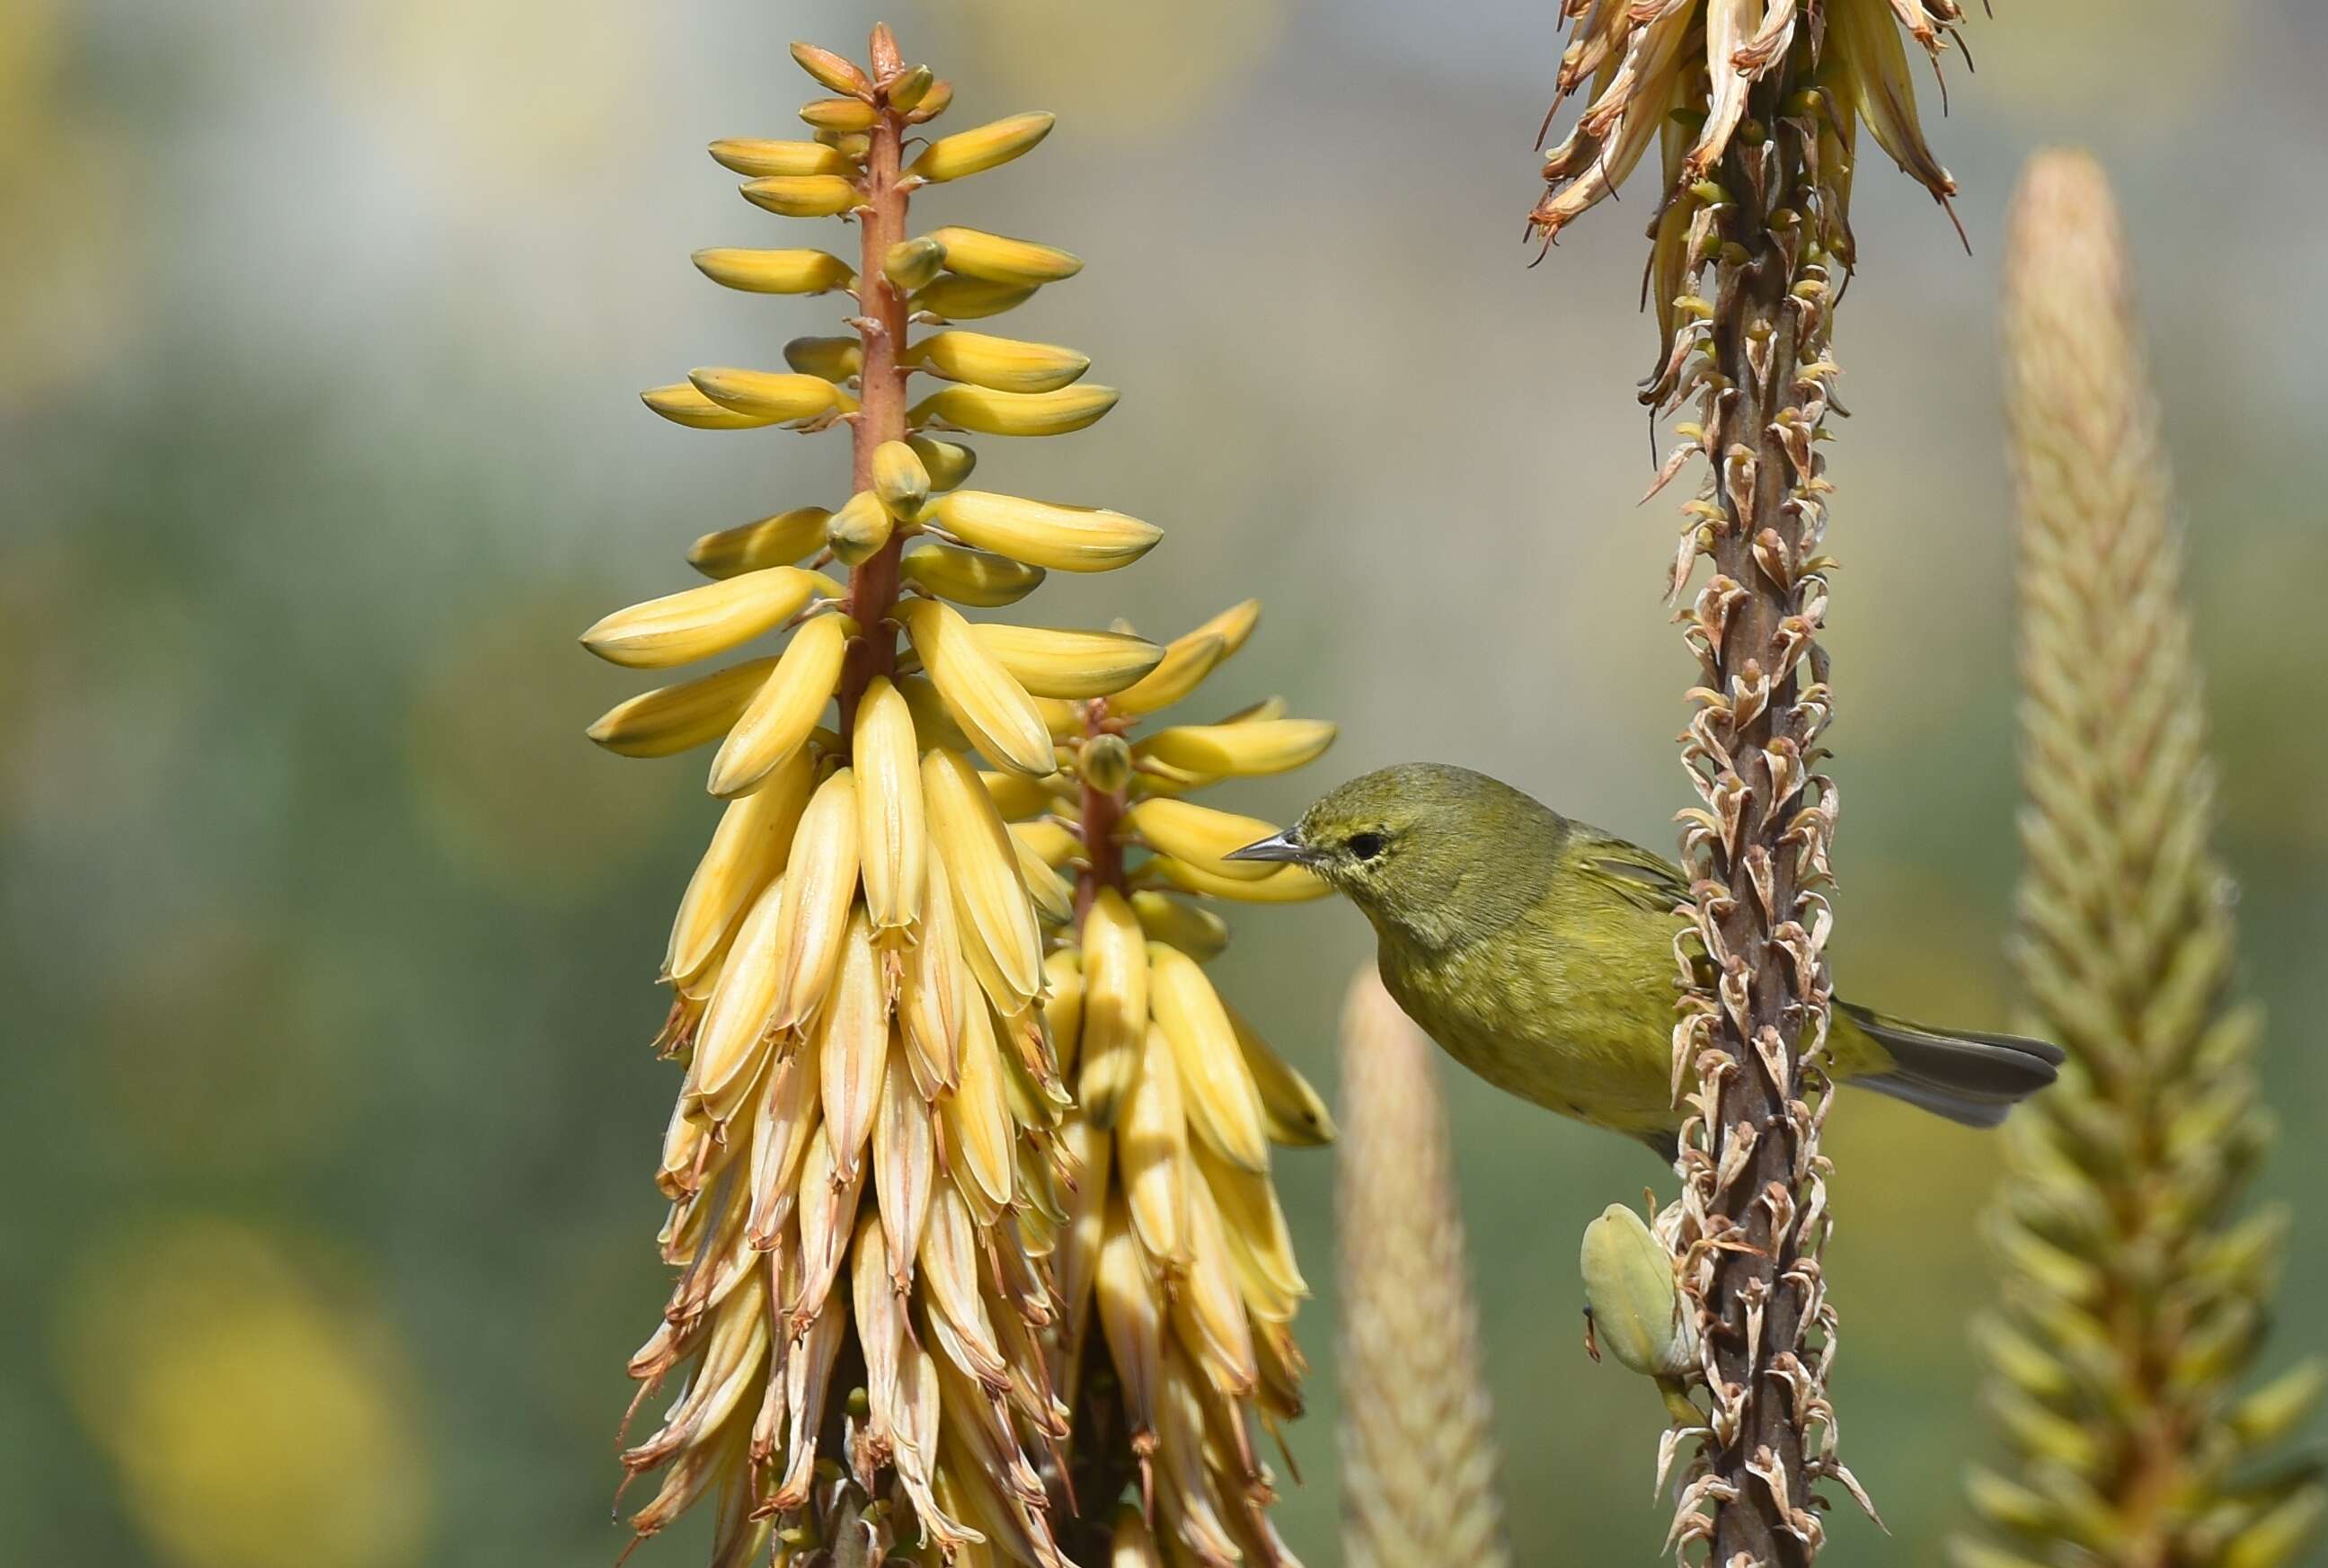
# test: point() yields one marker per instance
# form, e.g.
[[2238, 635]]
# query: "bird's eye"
[[1366, 846]]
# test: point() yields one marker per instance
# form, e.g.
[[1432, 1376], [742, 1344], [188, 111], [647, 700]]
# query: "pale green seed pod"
[[1637, 1307]]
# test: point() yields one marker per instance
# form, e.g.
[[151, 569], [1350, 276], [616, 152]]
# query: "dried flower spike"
[[1756, 108], [2134, 1301], [871, 1166]]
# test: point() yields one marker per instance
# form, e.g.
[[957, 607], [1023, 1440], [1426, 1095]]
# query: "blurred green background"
[[327, 941]]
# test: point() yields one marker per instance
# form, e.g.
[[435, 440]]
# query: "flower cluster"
[[1175, 1241], [887, 1214], [864, 1163], [2135, 1295]]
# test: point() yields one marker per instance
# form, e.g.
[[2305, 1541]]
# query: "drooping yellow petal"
[[821, 879], [682, 404], [731, 1043], [1068, 539], [1240, 750], [1187, 660], [781, 396], [1071, 665], [970, 577], [947, 463], [1200, 934], [748, 851], [1200, 836], [999, 364], [757, 157], [953, 298], [978, 1117], [829, 359], [852, 1046], [804, 195], [1296, 1112], [1151, 1150], [784, 712], [771, 542], [1223, 1104], [997, 922], [698, 622], [936, 989], [775, 271], [893, 827], [1059, 413], [676, 718], [1115, 1006], [975, 151], [983, 697], [905, 1167], [997, 258]]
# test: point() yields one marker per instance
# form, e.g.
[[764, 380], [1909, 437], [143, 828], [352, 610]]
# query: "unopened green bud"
[[1107, 764], [911, 87], [836, 359], [947, 463], [911, 263], [2281, 1535], [859, 529], [900, 480], [2279, 1406]]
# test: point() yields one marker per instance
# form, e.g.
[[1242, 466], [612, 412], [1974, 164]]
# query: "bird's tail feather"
[[1969, 1078]]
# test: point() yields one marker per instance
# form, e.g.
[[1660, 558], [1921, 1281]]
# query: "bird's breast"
[[1530, 1021]]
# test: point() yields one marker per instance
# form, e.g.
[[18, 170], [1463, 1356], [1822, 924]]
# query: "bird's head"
[[1439, 854]]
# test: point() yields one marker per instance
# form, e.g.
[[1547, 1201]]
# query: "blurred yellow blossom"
[[63, 288], [255, 1422]]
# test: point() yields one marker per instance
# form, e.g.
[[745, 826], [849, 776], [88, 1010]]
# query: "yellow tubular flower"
[[895, 1232], [1172, 1261]]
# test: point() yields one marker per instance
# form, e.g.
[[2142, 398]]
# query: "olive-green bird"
[[1540, 953]]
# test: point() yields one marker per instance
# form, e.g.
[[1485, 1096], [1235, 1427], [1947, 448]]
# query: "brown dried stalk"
[[1758, 108]]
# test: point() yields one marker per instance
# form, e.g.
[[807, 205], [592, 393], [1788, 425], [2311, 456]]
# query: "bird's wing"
[[1642, 878], [1638, 876]]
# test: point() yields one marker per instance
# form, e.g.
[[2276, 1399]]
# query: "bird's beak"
[[1281, 846]]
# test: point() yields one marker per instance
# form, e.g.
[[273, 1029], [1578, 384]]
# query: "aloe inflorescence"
[[883, 1189], [2135, 1296], [1757, 109], [1175, 1271], [1418, 1457]]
